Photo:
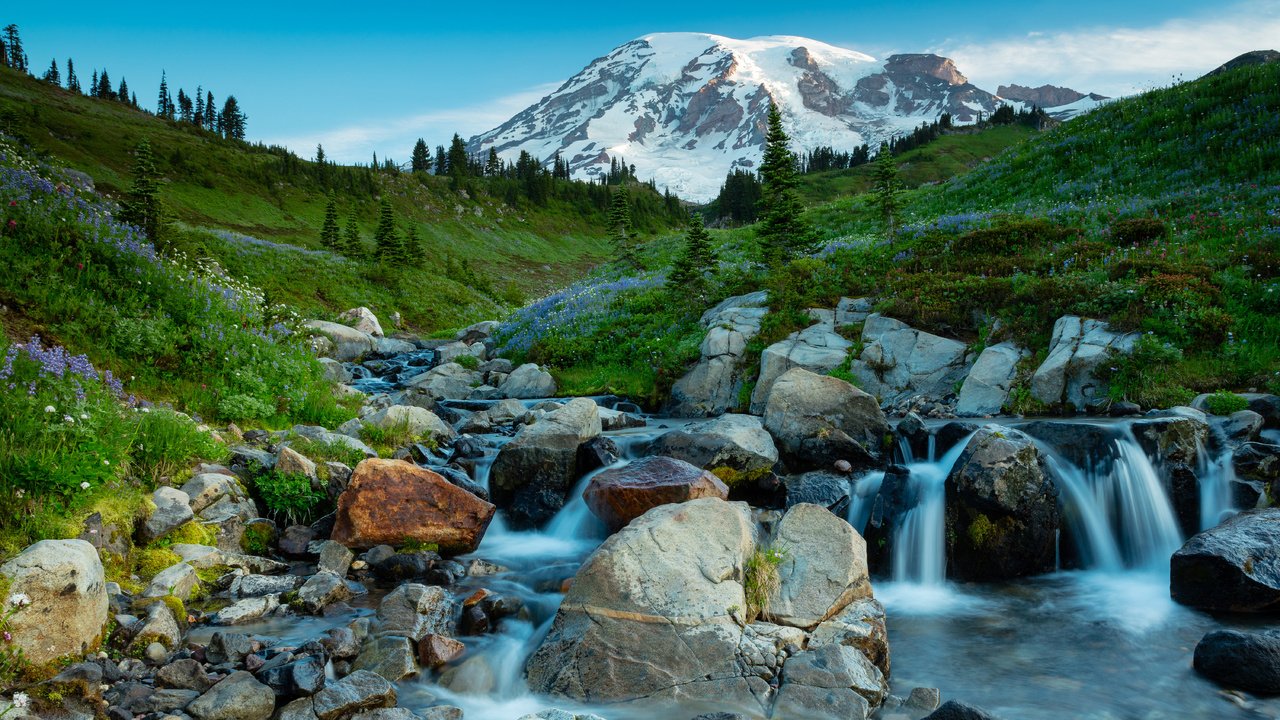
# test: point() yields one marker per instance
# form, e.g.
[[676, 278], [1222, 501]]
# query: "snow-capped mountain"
[[685, 108]]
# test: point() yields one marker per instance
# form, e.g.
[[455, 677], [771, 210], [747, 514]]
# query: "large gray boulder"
[[712, 386], [533, 474], [417, 421], [851, 311], [817, 420], [1248, 661], [1002, 515], [1234, 567], [656, 614], [899, 361], [831, 681], [447, 381], [527, 382], [172, 510], [348, 343], [362, 319], [732, 445], [64, 582], [986, 388], [1079, 346], [239, 696], [818, 348]]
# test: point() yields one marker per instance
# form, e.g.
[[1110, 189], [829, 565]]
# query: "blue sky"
[[364, 80]]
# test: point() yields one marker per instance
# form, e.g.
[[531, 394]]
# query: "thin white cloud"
[[1120, 60], [396, 136]]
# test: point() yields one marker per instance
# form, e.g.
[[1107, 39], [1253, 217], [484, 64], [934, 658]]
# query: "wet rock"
[[836, 667], [1078, 347], [1242, 426], [252, 586], [186, 674], [245, 611], [178, 580], [164, 702], [955, 710], [1259, 463], [173, 509], [436, 651], [534, 473], [322, 589], [1234, 567], [860, 625], [1268, 406], [361, 690], [617, 420], [912, 431], [900, 362], [737, 442], [824, 567], [1247, 661], [619, 495], [334, 558], [403, 566], [390, 501], [817, 420], [340, 643], [986, 388], [442, 712], [237, 697], [528, 381], [819, 488], [225, 647], [415, 611], [713, 385], [392, 657], [1002, 511], [64, 581], [302, 677], [296, 540], [1173, 439]]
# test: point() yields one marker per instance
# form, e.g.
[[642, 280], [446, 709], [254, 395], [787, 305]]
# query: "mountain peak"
[[685, 107]]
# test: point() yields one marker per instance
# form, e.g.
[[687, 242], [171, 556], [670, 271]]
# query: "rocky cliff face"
[[1045, 96], [685, 108]]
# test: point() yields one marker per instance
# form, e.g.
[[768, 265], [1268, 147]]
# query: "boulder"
[[533, 474], [899, 362], [1174, 438], [321, 590], [450, 352], [347, 343], [1242, 660], [713, 385], [986, 388], [817, 420], [1242, 426], [178, 580], [334, 371], [64, 582], [619, 495], [731, 446], [391, 657], [172, 510], [528, 381], [292, 462], [435, 651], [824, 567], [418, 422], [160, 627], [1234, 567], [361, 690], [1078, 347], [362, 319], [239, 696], [447, 381], [837, 668], [334, 558], [1002, 514], [819, 487], [391, 501], [416, 611], [818, 348], [246, 611], [216, 497], [851, 311], [955, 710], [860, 625]]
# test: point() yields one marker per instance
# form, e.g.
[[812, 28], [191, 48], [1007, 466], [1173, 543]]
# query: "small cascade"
[[1216, 474], [863, 499], [919, 541], [905, 452], [1116, 507]]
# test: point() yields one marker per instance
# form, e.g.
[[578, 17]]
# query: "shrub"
[[1223, 402], [244, 407], [470, 362], [289, 498], [167, 441], [1135, 231], [761, 581]]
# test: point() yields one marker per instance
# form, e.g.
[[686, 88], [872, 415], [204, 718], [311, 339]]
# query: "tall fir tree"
[[330, 236], [104, 86], [164, 103], [442, 161], [493, 164], [210, 119], [15, 57], [93, 84], [387, 242], [420, 161], [141, 204], [123, 93], [351, 245], [620, 231], [197, 118], [73, 82], [52, 76], [232, 119], [884, 190], [459, 165], [782, 234], [414, 251]]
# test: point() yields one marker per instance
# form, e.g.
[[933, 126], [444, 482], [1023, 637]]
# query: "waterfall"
[[1216, 476], [919, 540]]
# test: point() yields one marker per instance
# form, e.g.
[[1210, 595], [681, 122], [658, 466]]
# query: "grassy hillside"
[[1159, 213], [520, 248]]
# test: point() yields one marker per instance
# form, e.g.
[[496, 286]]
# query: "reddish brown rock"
[[390, 502], [621, 495], [435, 651]]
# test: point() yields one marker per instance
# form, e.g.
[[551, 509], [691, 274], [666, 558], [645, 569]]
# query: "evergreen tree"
[[73, 82], [442, 161], [93, 84], [14, 55], [185, 109], [351, 245], [414, 250], [688, 272], [104, 86], [620, 229], [198, 117], [52, 75], [320, 154], [210, 119], [231, 119], [492, 164], [457, 158], [387, 242], [885, 189], [164, 104], [141, 204], [421, 158], [123, 93], [783, 234], [329, 234]]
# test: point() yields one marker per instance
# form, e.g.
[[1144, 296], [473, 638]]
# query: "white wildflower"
[[19, 600], [84, 485], [50, 408], [68, 418], [84, 416], [21, 700]]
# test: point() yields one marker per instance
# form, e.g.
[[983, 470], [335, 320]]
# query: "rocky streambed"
[[521, 556]]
